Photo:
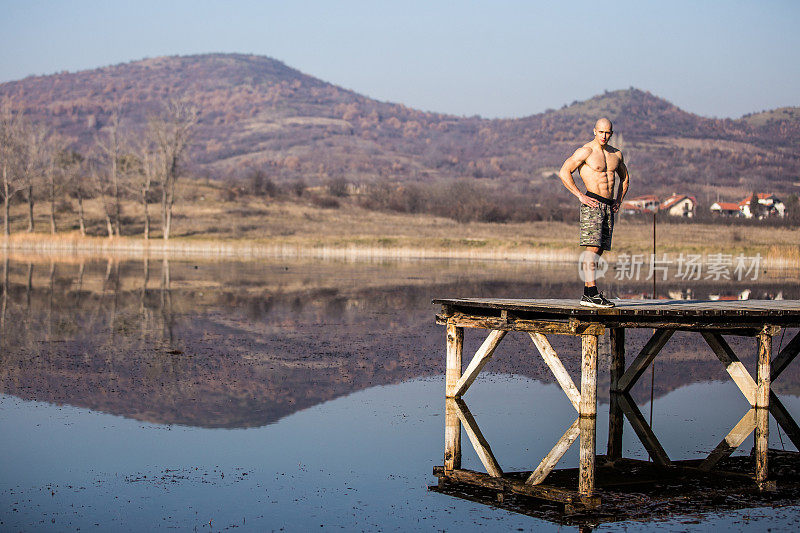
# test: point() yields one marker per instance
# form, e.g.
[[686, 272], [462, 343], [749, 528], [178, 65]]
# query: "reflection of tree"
[[246, 351], [166, 303]]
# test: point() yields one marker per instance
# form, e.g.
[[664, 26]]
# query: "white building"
[[772, 206], [679, 205]]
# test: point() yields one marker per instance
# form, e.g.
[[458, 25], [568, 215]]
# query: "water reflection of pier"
[[539, 318]]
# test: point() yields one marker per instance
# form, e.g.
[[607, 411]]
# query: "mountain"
[[258, 112]]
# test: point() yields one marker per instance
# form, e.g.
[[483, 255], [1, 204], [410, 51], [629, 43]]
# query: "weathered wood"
[[477, 439], [733, 365], [455, 347], [784, 419], [482, 356], [554, 363], [518, 486], [786, 356], [762, 407], [556, 453], [642, 429], [585, 325], [588, 415], [643, 360], [452, 436], [615, 416], [519, 324], [762, 447], [566, 317], [587, 426], [704, 313], [732, 440], [723, 328]]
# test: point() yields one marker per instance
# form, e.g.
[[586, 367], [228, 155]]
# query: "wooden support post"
[[732, 440], [588, 414], [482, 356], [452, 436], [554, 363], [455, 347], [551, 459], [733, 365], [643, 360], [479, 443], [642, 429], [762, 407], [786, 356], [615, 416]]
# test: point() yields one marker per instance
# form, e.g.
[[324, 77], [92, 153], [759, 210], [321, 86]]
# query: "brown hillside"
[[257, 112]]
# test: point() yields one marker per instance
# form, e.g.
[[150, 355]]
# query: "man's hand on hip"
[[591, 202]]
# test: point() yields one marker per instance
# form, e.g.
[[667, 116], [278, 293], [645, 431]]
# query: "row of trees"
[[36, 163]]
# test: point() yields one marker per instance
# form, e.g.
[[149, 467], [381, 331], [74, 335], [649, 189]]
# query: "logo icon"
[[594, 263]]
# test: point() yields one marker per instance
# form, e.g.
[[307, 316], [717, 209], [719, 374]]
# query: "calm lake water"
[[290, 395]]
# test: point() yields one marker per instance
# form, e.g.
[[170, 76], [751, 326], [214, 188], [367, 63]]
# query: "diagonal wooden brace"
[[786, 356], [562, 376], [733, 365], [784, 419], [732, 440], [477, 439], [642, 429], [551, 459], [482, 356], [643, 360]]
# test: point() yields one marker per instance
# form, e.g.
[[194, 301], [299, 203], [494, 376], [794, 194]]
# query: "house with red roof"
[[679, 205], [769, 205], [641, 204], [726, 209]]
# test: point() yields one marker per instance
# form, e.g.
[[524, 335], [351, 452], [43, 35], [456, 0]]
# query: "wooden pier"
[[539, 318]]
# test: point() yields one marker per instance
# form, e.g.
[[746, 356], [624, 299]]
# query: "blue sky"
[[499, 58]]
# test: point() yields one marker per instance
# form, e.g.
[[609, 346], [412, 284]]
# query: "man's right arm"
[[570, 166]]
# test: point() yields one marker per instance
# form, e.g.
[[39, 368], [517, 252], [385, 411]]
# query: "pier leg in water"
[[455, 347], [615, 416], [588, 414], [762, 407], [452, 431], [452, 436]]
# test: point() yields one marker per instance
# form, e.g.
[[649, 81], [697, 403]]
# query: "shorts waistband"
[[601, 199]]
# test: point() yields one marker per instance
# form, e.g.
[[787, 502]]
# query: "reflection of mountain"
[[239, 345]]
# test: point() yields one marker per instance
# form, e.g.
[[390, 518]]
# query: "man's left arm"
[[624, 179]]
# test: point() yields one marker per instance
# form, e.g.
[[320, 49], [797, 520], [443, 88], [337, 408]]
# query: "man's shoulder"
[[584, 150], [613, 150]]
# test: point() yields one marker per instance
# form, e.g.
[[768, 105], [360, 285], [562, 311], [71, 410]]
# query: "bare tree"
[[171, 133], [144, 176], [12, 155], [54, 171], [72, 165], [110, 145], [34, 163], [100, 186]]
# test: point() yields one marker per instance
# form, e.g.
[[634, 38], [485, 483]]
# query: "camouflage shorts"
[[597, 225]]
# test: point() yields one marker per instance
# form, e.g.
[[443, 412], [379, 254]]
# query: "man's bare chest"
[[602, 161]]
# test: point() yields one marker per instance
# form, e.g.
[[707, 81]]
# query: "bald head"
[[603, 124]]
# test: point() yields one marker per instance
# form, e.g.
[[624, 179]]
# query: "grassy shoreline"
[[365, 248], [275, 228]]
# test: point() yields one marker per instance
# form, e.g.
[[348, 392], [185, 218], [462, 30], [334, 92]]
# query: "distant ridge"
[[259, 112]]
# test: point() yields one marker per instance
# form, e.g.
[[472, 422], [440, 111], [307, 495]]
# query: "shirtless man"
[[597, 163]]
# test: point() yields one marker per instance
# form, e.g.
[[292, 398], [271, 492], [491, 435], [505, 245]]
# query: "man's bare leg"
[[590, 265], [591, 296]]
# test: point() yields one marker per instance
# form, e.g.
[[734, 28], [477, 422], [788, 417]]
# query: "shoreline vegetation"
[[289, 229]]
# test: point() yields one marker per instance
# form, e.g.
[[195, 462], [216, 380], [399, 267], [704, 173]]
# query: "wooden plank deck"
[[635, 313]]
